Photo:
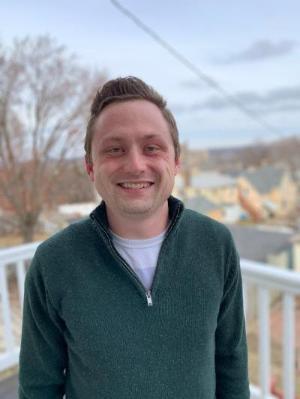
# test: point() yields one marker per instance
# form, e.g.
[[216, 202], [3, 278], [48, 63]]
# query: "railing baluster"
[[264, 340], [8, 257], [289, 346], [21, 280], [6, 311]]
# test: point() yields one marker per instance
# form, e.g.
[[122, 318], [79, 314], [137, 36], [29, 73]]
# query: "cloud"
[[284, 99], [261, 50]]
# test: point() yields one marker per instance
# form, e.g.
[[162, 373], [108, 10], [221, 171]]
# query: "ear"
[[89, 167]]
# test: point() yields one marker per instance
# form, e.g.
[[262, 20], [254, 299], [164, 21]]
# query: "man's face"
[[133, 158]]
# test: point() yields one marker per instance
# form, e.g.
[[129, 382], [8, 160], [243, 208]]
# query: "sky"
[[248, 50]]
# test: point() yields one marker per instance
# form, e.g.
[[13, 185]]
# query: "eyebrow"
[[113, 138], [151, 136], [121, 138]]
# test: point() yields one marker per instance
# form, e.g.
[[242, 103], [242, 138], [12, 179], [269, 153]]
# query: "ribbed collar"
[[99, 215]]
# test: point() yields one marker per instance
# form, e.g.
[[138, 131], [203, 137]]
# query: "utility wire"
[[201, 75]]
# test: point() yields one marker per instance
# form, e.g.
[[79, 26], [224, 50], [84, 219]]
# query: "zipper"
[[129, 269], [148, 293], [149, 298], [133, 274]]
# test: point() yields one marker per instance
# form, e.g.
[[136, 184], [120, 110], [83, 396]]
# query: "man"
[[144, 298]]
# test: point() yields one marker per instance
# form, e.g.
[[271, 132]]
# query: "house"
[[205, 206], [234, 214], [211, 193], [278, 247], [219, 188], [274, 245], [267, 192]]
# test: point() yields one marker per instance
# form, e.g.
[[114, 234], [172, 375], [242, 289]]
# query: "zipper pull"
[[149, 298]]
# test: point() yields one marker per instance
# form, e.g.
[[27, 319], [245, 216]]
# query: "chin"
[[136, 207], [136, 210]]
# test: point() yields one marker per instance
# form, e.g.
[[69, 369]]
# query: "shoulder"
[[213, 239], [70, 236], [199, 224], [66, 246], [208, 237], [59, 256]]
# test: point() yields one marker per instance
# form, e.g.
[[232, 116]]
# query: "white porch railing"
[[268, 280], [13, 263]]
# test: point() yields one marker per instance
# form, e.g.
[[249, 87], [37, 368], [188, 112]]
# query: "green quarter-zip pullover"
[[92, 331]]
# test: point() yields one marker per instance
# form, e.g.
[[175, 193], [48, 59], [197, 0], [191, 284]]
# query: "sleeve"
[[231, 357], [43, 354]]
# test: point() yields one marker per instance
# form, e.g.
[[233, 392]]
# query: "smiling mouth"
[[135, 185]]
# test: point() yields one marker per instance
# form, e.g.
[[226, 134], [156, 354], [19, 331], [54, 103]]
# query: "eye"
[[151, 148], [114, 150]]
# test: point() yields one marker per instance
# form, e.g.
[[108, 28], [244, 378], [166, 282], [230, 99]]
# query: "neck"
[[139, 227]]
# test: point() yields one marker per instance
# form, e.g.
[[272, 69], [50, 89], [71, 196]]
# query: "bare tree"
[[44, 99]]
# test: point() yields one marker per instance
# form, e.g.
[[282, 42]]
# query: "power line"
[[201, 75]]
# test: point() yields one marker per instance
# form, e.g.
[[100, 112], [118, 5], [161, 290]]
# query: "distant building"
[[276, 246], [234, 214], [211, 193], [219, 188], [267, 192], [205, 206], [212, 185]]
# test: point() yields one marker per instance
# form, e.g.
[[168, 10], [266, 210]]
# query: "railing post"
[[8, 332], [264, 340], [21, 280], [289, 346]]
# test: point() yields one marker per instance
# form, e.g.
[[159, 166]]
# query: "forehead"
[[131, 118]]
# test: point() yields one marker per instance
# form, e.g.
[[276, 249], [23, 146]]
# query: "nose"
[[135, 161]]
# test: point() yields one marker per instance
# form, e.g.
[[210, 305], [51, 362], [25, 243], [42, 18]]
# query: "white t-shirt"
[[141, 255]]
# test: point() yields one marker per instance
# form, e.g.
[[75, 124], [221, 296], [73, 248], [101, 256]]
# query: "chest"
[[105, 310]]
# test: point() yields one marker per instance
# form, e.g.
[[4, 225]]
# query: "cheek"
[[105, 173], [172, 166], [169, 169]]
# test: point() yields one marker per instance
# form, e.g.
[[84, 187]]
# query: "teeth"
[[135, 185]]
